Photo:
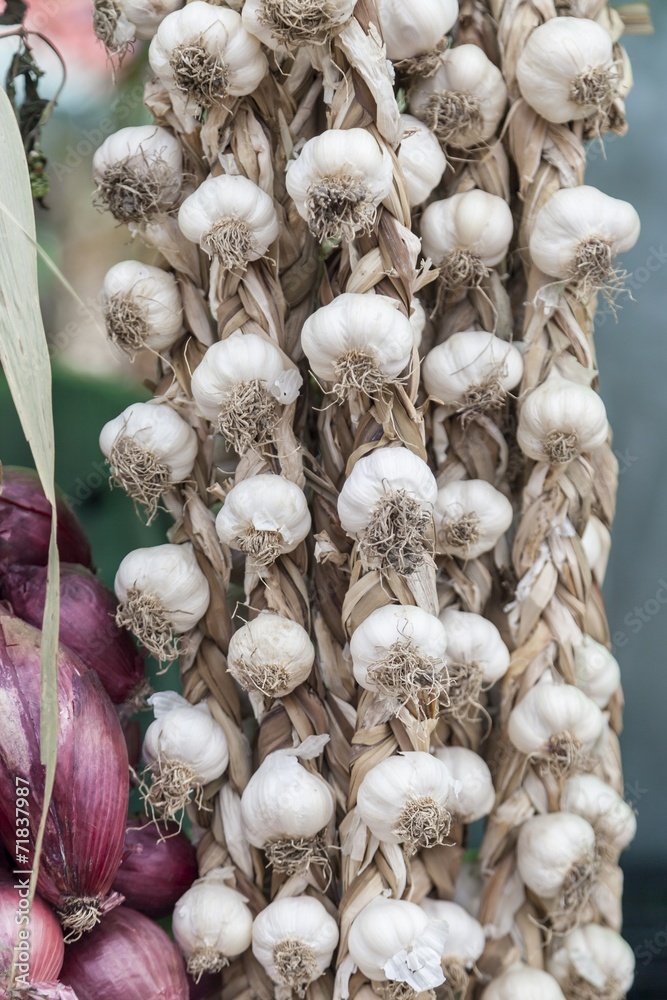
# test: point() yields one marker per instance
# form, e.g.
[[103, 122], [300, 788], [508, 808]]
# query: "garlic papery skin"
[[477, 657], [162, 593], [138, 172], [578, 234], [417, 320], [470, 516], [358, 343], [561, 420], [149, 448], [463, 101], [596, 671], [523, 983], [421, 159], [395, 941], [142, 306], [231, 219], [264, 516], [408, 30], [271, 655], [112, 27], [399, 653], [472, 371], [466, 235], [204, 53], [286, 808], [405, 799], [612, 818], [337, 182], [473, 793], [240, 385], [593, 962], [185, 749], [212, 923], [288, 24], [387, 504], [558, 724], [294, 939], [464, 945], [147, 15]]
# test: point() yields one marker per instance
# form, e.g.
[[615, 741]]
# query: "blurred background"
[[93, 382]]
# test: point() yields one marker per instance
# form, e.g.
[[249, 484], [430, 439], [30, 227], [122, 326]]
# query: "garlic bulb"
[[593, 961], [473, 792], [337, 182], [294, 939], [578, 233], [469, 887], [387, 504], [149, 448], [185, 749], [393, 940], [212, 923], [596, 671], [477, 657], [470, 516], [612, 818], [287, 24], [358, 342], [147, 15], [523, 983], [286, 809], [466, 235], [464, 100], [421, 159], [230, 217], [560, 420], [596, 543], [270, 654], [162, 594], [264, 516], [472, 371], [205, 53], [399, 652], [112, 27], [409, 30], [405, 799], [557, 723], [240, 385], [417, 320], [464, 944], [142, 307], [138, 172], [566, 70]]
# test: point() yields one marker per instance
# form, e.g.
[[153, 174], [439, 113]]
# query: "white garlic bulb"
[[473, 792], [286, 808], [270, 654], [470, 886], [556, 858], [142, 306], [393, 940], [387, 504], [405, 800], [596, 671], [464, 100], [421, 159], [231, 219], [288, 25], [417, 320], [409, 30], [112, 27], [162, 593], [596, 543], [465, 941], [240, 384], [358, 342], [212, 923], [560, 420], [558, 723], [185, 749], [593, 961], [472, 371], [477, 657], [147, 15], [466, 235], [138, 172], [205, 53], [523, 983], [612, 818], [294, 939], [579, 232], [337, 182], [470, 516], [264, 516]]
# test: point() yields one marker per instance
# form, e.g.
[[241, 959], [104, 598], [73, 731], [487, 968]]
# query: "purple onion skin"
[[87, 623], [85, 828], [25, 523], [126, 957], [160, 864]]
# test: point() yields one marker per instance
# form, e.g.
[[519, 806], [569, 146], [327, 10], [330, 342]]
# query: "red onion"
[[159, 865], [25, 522], [43, 991], [85, 827], [132, 734], [37, 933], [87, 623], [127, 957]]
